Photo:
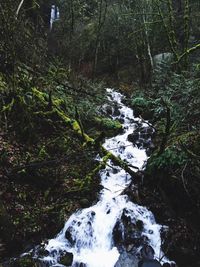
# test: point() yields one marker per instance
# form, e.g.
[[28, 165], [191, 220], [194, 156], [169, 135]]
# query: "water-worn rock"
[[128, 233], [149, 263], [133, 137], [116, 110], [147, 252], [79, 264], [118, 232], [159, 59], [68, 236], [67, 259], [107, 109], [142, 137], [85, 203], [127, 259], [41, 250]]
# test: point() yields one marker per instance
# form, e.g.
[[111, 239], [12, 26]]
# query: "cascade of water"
[[88, 233], [55, 15]]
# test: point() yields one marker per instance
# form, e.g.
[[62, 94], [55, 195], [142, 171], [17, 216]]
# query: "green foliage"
[[169, 160], [140, 102], [22, 37], [143, 105], [180, 91]]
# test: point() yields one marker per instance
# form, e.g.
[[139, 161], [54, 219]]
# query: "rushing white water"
[[55, 15], [88, 234]]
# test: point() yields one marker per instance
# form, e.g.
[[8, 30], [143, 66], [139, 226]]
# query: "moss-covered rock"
[[109, 126]]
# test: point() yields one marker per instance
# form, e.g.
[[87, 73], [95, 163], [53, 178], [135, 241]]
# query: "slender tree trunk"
[[169, 31], [186, 30], [71, 31], [101, 20], [147, 40]]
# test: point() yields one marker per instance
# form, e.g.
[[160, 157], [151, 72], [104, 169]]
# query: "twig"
[[19, 7], [189, 152], [183, 179]]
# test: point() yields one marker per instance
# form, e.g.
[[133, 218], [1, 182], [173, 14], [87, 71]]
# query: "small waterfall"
[[55, 15], [90, 233]]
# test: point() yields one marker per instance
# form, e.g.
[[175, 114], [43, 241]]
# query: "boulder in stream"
[[79, 264], [127, 259], [68, 235], [142, 136], [147, 252], [67, 259], [149, 263]]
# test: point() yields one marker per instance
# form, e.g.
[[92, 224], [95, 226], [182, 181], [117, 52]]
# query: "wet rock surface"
[[149, 263], [127, 259], [79, 264], [132, 245], [127, 233], [66, 259], [142, 136]]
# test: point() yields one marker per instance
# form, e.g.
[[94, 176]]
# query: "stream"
[[112, 232]]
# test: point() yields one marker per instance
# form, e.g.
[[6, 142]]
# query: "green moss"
[[76, 126], [9, 106], [109, 126], [58, 102], [99, 167], [39, 95]]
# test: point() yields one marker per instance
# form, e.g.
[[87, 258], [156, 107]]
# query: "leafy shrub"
[[171, 158], [142, 105]]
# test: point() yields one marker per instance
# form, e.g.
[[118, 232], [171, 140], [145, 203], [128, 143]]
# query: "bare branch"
[[19, 7], [187, 52]]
